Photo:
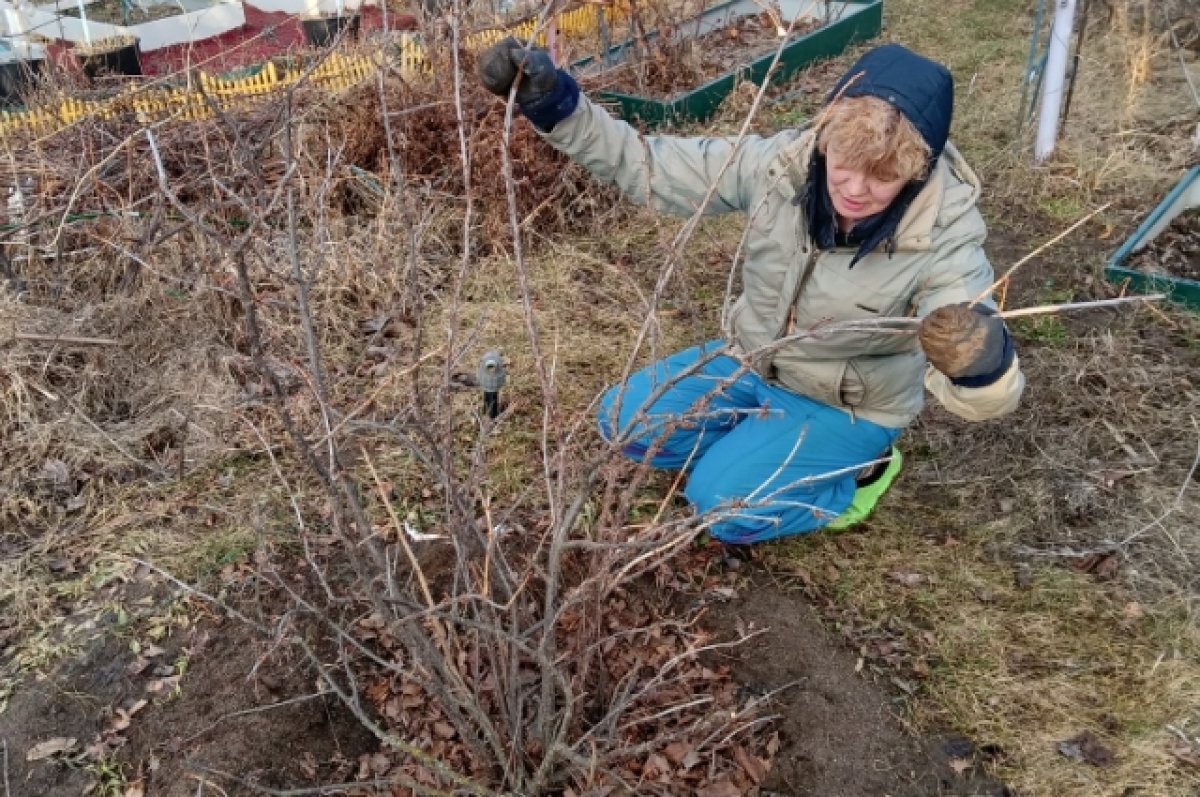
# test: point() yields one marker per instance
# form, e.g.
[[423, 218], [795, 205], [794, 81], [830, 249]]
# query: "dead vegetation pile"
[[348, 150]]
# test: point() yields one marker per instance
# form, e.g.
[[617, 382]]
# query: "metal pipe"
[[1083, 22], [1039, 15]]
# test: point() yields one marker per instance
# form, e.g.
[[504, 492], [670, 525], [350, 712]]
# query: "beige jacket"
[[790, 286]]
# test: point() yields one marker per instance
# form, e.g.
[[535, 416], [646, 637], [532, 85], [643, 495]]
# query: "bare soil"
[[841, 734], [243, 715], [1176, 250], [674, 62], [231, 709]]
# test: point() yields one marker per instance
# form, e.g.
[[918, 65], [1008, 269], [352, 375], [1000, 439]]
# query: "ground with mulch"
[[1176, 250], [211, 706]]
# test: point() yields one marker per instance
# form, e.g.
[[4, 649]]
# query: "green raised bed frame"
[[1185, 196], [858, 22]]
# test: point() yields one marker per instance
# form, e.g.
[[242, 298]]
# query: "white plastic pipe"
[[12, 20], [87, 33], [1054, 80]]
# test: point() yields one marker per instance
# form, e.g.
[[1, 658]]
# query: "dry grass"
[[1018, 666]]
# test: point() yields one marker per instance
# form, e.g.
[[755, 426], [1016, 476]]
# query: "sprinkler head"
[[491, 378]]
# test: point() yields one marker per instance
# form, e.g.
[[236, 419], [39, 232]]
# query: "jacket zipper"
[[789, 324]]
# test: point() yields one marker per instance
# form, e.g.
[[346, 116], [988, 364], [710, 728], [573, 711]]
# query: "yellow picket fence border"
[[208, 93]]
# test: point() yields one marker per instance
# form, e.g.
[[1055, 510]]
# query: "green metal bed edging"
[[861, 21], [1178, 289]]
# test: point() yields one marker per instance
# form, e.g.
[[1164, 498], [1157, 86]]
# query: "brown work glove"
[[964, 342]]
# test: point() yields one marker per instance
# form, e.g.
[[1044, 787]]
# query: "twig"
[[463, 782], [1187, 75], [1044, 309], [155, 469], [68, 339], [378, 783], [1037, 252], [4, 744], [400, 533], [256, 710], [1113, 547], [1174, 507], [903, 324]]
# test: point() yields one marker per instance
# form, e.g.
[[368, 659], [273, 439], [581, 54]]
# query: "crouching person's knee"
[[622, 418], [739, 515]]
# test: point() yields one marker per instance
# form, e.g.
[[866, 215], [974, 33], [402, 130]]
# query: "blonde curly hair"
[[874, 137]]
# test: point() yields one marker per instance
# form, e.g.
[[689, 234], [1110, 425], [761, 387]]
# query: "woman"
[[868, 213]]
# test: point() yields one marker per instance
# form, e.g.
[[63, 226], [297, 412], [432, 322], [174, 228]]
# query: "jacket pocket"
[[852, 392], [820, 380]]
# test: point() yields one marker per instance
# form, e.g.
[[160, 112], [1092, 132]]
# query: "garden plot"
[[155, 24], [685, 69]]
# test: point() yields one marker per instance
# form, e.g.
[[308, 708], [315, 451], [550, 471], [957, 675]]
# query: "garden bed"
[[686, 71], [116, 12], [1175, 253], [677, 63], [1163, 255]]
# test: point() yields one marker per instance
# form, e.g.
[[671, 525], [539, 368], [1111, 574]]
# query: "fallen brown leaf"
[[719, 788], [752, 764], [908, 579], [1086, 748], [1103, 566], [676, 752], [1187, 753], [59, 744]]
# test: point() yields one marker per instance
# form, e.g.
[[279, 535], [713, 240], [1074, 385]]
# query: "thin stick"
[[68, 339], [400, 533], [1042, 309], [901, 325], [1037, 252], [906, 325]]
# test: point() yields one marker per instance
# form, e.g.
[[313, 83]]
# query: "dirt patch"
[[1175, 252], [70, 705], [251, 713], [840, 734], [217, 703], [210, 699]]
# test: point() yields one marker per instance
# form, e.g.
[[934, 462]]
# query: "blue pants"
[[766, 462]]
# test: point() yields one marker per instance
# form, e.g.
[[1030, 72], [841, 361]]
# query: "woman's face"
[[856, 195]]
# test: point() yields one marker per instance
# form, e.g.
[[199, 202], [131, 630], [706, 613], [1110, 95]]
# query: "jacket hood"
[[921, 89]]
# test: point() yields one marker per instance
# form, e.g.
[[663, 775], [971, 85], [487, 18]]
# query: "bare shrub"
[[289, 281]]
